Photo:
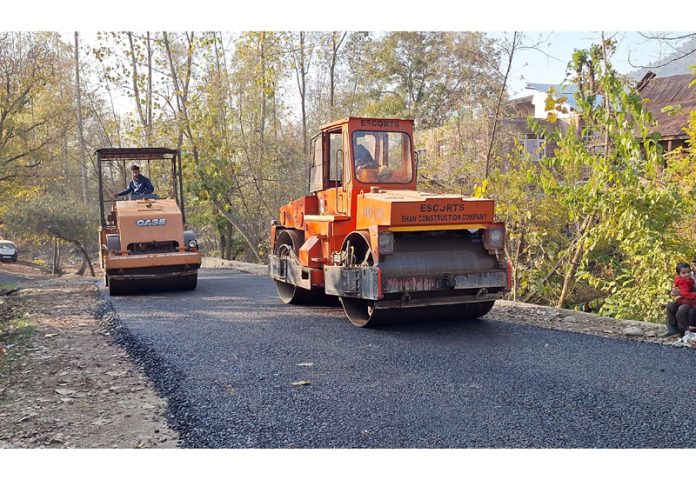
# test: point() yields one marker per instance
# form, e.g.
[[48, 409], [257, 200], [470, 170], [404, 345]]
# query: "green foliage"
[[48, 216], [429, 76], [602, 199], [33, 113]]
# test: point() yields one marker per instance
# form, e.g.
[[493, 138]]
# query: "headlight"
[[386, 243], [494, 239], [192, 244]]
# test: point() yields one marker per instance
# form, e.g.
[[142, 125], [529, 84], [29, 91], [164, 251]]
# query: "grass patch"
[[16, 340], [7, 287], [10, 308], [15, 331], [15, 343]]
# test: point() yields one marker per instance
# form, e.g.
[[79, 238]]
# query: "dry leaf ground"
[[63, 383]]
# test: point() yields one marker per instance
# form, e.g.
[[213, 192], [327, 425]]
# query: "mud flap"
[[356, 282]]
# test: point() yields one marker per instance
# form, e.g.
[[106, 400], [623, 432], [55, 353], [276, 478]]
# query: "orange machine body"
[[362, 184], [151, 234], [144, 242]]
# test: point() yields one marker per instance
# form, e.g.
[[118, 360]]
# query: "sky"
[[562, 27], [550, 66]]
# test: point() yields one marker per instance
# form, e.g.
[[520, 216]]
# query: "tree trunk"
[[221, 236], [80, 132], [228, 241], [262, 120], [496, 114], [335, 46], [55, 268], [136, 88], [83, 267], [575, 261], [514, 264], [148, 131], [86, 262], [252, 245], [607, 107]]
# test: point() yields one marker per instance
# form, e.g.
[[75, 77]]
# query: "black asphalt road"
[[227, 354]]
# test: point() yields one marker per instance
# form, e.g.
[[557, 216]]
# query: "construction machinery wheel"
[[118, 287], [360, 312], [288, 292], [125, 287], [366, 313], [191, 282], [174, 284], [470, 311]]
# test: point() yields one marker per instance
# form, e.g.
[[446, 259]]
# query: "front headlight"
[[494, 238], [192, 244], [386, 243]]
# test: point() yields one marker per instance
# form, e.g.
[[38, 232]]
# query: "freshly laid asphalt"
[[227, 354]]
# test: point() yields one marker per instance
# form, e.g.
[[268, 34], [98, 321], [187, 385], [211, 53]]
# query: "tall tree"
[[337, 39], [31, 117], [80, 131], [429, 75], [301, 54]]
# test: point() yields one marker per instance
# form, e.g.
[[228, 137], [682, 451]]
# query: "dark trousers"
[[680, 317]]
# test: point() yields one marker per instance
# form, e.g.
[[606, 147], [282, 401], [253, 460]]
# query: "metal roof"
[[661, 92], [151, 153]]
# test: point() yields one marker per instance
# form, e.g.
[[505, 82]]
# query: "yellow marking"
[[422, 228]]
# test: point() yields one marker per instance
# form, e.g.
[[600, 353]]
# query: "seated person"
[[139, 184], [681, 313], [363, 158], [366, 167]]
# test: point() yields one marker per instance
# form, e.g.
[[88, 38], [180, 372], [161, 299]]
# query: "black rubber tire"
[[362, 313], [191, 282], [126, 287]]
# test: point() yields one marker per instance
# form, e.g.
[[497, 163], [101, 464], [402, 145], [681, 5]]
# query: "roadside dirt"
[[63, 383], [580, 322]]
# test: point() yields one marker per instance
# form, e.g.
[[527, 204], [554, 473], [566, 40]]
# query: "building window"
[[535, 146], [442, 148]]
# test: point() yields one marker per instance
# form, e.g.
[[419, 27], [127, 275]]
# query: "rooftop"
[[661, 92]]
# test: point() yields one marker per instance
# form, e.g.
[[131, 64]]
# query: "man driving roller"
[[139, 184]]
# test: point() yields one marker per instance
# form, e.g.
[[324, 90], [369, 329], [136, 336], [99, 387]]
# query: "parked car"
[[8, 251]]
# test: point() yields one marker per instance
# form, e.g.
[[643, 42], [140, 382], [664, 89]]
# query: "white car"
[[8, 251]]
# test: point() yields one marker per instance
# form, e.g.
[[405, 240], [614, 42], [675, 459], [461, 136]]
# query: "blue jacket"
[[138, 188]]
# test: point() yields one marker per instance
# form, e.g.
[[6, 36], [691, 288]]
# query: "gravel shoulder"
[[63, 382]]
